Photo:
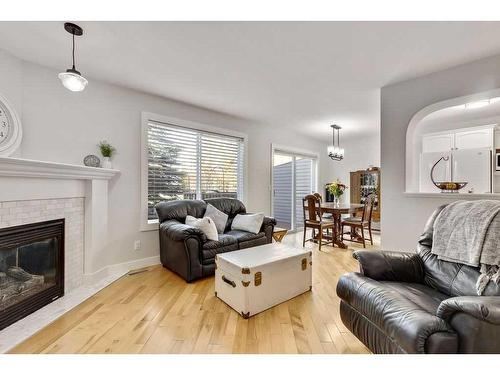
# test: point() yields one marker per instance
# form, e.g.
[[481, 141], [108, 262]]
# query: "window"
[[190, 161]]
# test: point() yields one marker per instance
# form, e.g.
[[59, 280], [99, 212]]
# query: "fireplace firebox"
[[31, 268]]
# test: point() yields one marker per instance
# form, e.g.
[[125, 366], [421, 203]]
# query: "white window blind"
[[185, 163]]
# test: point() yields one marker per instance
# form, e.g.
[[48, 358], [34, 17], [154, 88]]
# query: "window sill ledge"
[[150, 225]]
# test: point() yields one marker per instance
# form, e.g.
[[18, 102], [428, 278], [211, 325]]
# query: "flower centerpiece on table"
[[336, 189]]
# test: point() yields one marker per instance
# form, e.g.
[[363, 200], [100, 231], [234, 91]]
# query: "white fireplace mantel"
[[24, 179], [14, 167]]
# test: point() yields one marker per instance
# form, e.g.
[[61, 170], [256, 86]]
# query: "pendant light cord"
[[73, 50]]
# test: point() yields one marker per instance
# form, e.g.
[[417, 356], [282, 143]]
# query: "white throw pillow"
[[248, 223], [219, 217], [206, 225]]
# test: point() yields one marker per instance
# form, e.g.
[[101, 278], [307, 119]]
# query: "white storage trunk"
[[255, 279]]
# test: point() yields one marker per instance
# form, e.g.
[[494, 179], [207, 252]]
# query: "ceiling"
[[459, 116], [296, 75]]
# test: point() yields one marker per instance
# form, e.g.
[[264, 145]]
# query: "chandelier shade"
[[335, 152]]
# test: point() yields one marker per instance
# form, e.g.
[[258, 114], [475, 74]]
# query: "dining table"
[[337, 210]]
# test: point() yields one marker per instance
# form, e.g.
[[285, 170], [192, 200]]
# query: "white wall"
[[63, 126], [360, 153], [404, 216]]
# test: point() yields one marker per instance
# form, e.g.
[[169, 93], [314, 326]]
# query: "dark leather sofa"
[[416, 303], [186, 250]]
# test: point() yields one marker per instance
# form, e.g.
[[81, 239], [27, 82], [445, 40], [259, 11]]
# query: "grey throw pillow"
[[219, 217]]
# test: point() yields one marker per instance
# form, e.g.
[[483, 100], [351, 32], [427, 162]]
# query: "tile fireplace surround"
[[35, 191]]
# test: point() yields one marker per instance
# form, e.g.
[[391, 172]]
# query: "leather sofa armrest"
[[268, 221], [390, 265], [481, 307], [177, 231]]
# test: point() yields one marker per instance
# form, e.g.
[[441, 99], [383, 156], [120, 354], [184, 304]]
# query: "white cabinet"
[[481, 138], [469, 152], [470, 138], [437, 143]]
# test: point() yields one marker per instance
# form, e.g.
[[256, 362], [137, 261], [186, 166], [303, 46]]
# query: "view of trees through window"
[[185, 163]]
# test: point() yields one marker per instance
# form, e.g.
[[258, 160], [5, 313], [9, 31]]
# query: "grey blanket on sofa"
[[468, 232]]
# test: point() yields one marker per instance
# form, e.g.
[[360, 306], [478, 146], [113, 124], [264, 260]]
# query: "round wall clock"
[[10, 128]]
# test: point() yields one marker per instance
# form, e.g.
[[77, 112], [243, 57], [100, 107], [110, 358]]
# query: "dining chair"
[[311, 206], [365, 221]]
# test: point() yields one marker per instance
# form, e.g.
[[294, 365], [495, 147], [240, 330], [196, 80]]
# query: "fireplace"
[[31, 268]]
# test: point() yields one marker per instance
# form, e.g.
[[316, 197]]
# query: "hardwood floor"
[[157, 312]]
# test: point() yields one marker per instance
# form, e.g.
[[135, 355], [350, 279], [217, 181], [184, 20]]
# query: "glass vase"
[[336, 201]]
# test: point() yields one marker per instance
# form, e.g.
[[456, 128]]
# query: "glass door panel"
[[303, 186], [294, 176], [283, 190]]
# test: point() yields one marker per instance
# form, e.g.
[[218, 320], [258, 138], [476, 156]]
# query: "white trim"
[[120, 269], [293, 151], [145, 224], [14, 167]]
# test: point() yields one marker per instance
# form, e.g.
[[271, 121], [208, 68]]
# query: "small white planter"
[[106, 163]]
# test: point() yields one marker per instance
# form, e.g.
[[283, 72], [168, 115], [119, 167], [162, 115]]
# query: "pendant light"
[[72, 78], [335, 152]]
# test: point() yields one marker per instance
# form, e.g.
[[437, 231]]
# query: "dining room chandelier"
[[335, 152]]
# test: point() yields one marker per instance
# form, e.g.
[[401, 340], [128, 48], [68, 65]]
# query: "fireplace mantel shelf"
[[15, 167]]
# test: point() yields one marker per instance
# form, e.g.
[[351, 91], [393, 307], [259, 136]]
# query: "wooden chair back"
[[318, 195], [311, 208], [368, 208]]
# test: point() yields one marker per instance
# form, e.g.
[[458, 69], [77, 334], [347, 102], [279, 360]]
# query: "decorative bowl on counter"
[[449, 186], [446, 186]]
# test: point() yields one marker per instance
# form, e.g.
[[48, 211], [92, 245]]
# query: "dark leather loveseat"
[[416, 303], [186, 250]]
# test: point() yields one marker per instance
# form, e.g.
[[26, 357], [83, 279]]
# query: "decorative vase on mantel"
[[106, 163]]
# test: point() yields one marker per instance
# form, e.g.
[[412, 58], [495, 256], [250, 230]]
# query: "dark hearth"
[[31, 268]]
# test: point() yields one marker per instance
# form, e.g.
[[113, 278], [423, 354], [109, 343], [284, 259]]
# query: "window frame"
[[146, 117]]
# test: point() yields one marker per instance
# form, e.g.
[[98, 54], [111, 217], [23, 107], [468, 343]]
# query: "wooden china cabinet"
[[364, 183]]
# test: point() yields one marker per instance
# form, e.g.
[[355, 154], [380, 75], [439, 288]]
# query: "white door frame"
[[294, 152]]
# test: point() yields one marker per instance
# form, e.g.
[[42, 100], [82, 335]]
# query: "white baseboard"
[[120, 268]]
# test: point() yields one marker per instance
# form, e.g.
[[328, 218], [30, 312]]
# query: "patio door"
[[293, 177]]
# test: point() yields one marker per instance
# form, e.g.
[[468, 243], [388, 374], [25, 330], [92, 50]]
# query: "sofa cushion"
[[211, 248], [179, 209], [405, 312], [242, 236]]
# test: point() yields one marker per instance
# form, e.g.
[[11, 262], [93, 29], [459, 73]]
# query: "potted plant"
[[336, 189], [107, 152]]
